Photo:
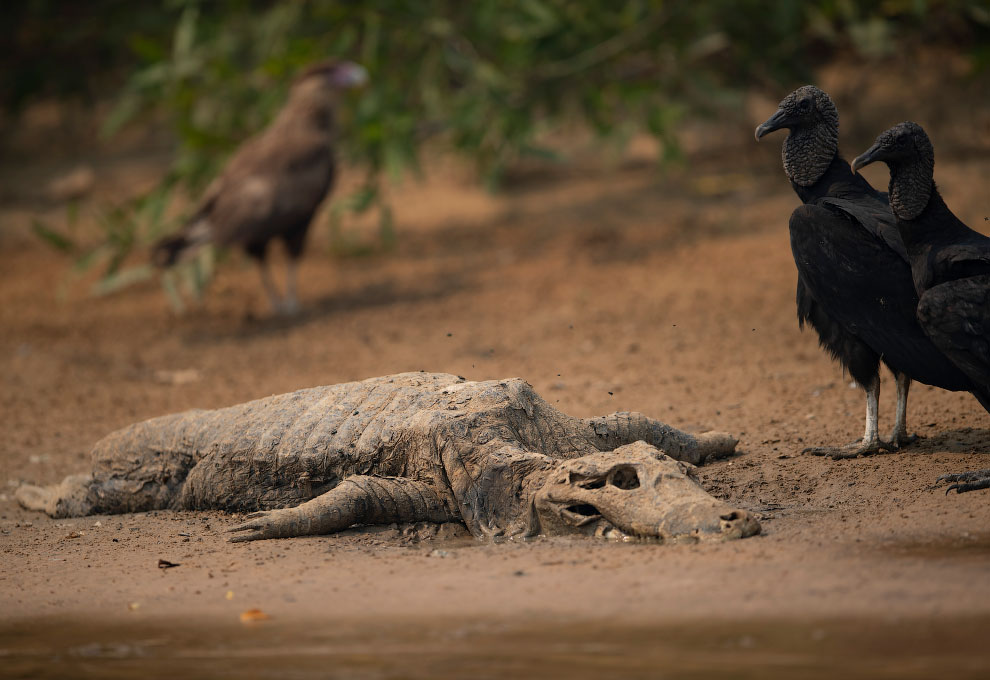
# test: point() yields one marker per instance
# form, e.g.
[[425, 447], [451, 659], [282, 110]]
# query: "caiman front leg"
[[356, 500]]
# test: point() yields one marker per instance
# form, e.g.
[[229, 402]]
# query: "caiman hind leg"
[[356, 500], [138, 468]]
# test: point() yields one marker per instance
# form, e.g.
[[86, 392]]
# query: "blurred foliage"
[[485, 78]]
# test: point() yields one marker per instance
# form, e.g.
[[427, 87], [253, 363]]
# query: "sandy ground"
[[608, 286]]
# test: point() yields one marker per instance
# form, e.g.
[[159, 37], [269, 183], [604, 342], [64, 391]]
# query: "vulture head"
[[905, 143], [813, 121], [909, 154], [805, 107]]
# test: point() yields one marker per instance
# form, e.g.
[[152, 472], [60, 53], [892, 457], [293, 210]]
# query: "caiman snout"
[[694, 517]]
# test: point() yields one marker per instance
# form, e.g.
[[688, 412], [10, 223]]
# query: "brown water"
[[273, 649]]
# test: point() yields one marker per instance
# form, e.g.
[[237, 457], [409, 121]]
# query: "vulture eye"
[[804, 105]]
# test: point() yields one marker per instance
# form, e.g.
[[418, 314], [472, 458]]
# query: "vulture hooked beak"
[[871, 155], [775, 122]]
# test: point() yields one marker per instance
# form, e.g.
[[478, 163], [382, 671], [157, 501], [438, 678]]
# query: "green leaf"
[[53, 238], [185, 33], [123, 112], [120, 280]]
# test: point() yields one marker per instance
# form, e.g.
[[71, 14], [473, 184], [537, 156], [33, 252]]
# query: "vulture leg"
[[966, 481], [871, 442], [899, 435]]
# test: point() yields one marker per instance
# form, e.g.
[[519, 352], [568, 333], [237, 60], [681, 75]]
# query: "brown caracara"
[[274, 183]]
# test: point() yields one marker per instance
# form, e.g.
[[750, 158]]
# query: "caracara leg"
[[359, 499], [290, 305], [274, 297]]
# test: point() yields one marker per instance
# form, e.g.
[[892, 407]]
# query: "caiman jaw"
[[581, 515]]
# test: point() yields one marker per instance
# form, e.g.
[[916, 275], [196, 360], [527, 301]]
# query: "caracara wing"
[[271, 186]]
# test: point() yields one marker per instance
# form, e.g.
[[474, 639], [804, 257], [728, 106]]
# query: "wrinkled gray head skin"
[[635, 492], [813, 141], [909, 154]]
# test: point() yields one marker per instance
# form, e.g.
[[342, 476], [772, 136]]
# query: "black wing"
[[855, 355], [961, 261], [956, 315], [874, 216], [865, 286]]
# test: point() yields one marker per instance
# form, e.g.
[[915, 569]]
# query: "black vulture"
[[950, 263], [274, 183], [854, 281]]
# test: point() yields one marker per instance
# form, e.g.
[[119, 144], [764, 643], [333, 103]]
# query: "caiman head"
[[634, 491]]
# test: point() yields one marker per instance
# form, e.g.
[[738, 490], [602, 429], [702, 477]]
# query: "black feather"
[[856, 281], [950, 262]]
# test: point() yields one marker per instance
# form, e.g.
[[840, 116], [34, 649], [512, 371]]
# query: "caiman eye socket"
[[624, 478]]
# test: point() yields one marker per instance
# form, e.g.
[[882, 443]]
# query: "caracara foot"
[[852, 450], [966, 481], [287, 307]]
